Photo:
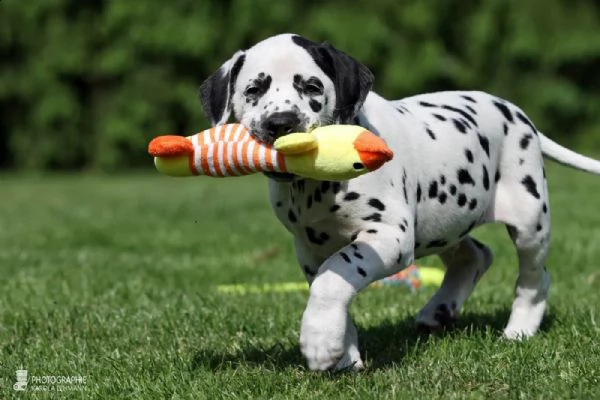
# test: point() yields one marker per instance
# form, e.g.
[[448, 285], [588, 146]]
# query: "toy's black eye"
[[358, 165], [313, 89], [252, 91]]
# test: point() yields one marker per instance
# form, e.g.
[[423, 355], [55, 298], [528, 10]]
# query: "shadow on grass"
[[382, 346]]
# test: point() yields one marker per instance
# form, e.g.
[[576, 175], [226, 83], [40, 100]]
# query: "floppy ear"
[[352, 80], [215, 92]]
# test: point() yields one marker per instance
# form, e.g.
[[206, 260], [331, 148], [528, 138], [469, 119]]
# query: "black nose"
[[281, 123]]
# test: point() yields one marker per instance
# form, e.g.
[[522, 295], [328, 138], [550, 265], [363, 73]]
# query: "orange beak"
[[372, 150], [170, 146]]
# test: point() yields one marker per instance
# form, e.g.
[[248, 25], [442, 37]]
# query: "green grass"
[[114, 278]]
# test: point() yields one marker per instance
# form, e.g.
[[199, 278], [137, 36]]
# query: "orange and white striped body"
[[230, 150]]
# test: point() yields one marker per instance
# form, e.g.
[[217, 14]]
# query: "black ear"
[[352, 80], [215, 92]]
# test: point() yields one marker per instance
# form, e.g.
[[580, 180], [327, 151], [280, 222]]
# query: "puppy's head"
[[286, 84]]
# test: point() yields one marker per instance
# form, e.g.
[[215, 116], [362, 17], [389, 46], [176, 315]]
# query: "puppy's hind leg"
[[523, 207], [465, 265]]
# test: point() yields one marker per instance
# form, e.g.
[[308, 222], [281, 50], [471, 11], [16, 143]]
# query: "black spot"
[[464, 177], [497, 176], [442, 197], [375, 217], [337, 186], [315, 105], [418, 192], [299, 84], [426, 104], [469, 228], [399, 258], [371, 230], [287, 101], [505, 111], [521, 161], [345, 257], [459, 125], [545, 208], [442, 179], [431, 134], [278, 204], [485, 144], [313, 238], [308, 272], [358, 255], [358, 166], [334, 208], [452, 190], [354, 246], [309, 202], [351, 196], [437, 243], [471, 109], [361, 271], [538, 227], [472, 204], [505, 128], [461, 200], [531, 187], [433, 189], [402, 227], [354, 236], [526, 121], [377, 204], [405, 193], [317, 195], [325, 185], [468, 98], [464, 114], [544, 172], [301, 183], [400, 110], [486, 178], [439, 117], [292, 216], [469, 155], [525, 141]]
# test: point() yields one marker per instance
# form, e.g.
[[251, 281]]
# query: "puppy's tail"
[[567, 157]]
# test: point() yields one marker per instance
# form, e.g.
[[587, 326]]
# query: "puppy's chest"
[[323, 215]]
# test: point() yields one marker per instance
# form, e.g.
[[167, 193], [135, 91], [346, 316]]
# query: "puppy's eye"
[[313, 89], [358, 165], [252, 91]]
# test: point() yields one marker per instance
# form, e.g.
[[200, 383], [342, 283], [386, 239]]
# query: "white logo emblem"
[[21, 380]]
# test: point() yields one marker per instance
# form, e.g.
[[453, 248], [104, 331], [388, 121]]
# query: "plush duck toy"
[[334, 152]]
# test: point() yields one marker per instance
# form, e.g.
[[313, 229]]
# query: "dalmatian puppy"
[[461, 159]]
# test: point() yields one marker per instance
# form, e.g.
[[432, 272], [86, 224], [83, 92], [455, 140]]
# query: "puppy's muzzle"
[[280, 124]]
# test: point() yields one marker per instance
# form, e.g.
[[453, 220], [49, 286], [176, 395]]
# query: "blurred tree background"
[[84, 84]]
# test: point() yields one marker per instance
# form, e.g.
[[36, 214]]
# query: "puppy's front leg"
[[375, 254]]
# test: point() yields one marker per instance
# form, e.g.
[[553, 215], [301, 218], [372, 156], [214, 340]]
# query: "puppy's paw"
[[322, 338], [349, 363], [434, 318]]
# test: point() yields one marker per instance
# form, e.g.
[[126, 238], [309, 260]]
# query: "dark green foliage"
[[86, 84]]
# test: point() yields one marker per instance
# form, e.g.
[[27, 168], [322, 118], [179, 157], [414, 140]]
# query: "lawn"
[[113, 278]]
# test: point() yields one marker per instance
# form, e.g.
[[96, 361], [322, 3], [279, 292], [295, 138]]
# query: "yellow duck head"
[[334, 152]]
